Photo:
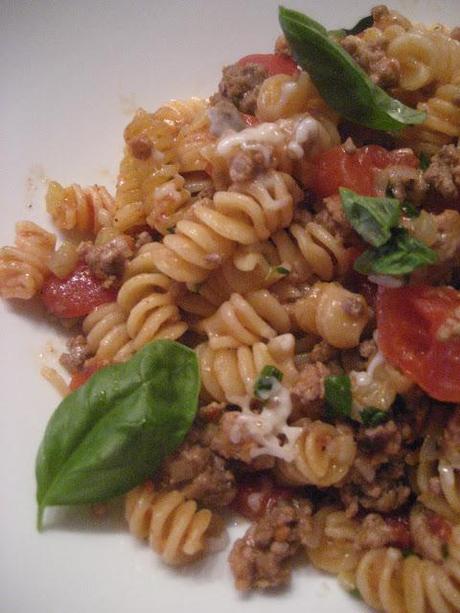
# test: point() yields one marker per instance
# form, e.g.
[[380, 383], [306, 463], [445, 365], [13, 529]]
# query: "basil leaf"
[[409, 210], [113, 432], [372, 218], [401, 255], [363, 24], [340, 81], [266, 380], [338, 395], [424, 160], [372, 417]]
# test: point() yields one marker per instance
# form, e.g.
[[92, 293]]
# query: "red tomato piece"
[[440, 527], [257, 494], [80, 377], [76, 295], [416, 327], [274, 63], [336, 168]]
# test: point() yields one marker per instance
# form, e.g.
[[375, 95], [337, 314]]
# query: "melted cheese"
[[263, 134], [366, 377], [386, 280], [266, 427]]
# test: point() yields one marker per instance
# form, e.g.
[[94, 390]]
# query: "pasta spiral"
[[227, 373], [191, 139], [86, 209], [166, 199], [245, 320], [148, 299], [443, 109], [388, 582], [324, 455], [334, 313], [334, 547], [24, 267], [174, 527], [106, 333], [244, 215]]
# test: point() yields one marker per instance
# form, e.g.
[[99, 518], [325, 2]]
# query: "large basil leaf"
[[114, 431], [341, 82], [363, 24], [401, 255], [371, 217]]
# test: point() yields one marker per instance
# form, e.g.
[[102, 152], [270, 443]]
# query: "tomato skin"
[[408, 321], [76, 295], [336, 168], [274, 63], [80, 377], [257, 494]]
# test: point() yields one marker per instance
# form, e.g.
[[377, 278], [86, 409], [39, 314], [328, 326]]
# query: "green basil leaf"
[[266, 380], [113, 432], [363, 24], [424, 160], [401, 255], [338, 395], [371, 217], [407, 552], [340, 81], [409, 210], [445, 550], [372, 417], [282, 270]]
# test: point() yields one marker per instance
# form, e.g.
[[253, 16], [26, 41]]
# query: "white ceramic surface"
[[71, 74]]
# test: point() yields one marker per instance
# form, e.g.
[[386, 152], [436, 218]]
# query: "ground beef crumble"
[[443, 173], [240, 85], [107, 261], [78, 353], [372, 58], [261, 559], [307, 394], [450, 445]]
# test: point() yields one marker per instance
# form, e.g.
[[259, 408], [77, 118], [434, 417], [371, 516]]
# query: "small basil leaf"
[[282, 270], [372, 218], [424, 160], [266, 380], [340, 81], [114, 431], [409, 210], [338, 395], [407, 552], [372, 417], [363, 24], [401, 255]]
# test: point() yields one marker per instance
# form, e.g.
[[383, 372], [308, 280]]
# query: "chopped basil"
[[281, 270], [372, 417], [114, 431], [340, 81], [424, 159], [338, 395], [171, 230], [408, 552], [445, 551], [371, 217], [265, 382], [401, 255], [409, 210], [356, 593], [363, 24]]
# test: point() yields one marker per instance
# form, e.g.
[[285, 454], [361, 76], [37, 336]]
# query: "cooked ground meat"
[[403, 182], [450, 446], [371, 56], [200, 474], [225, 116], [332, 217], [141, 147], [143, 239], [377, 531], [245, 165], [241, 84], [107, 261], [384, 439], [443, 173], [384, 489], [261, 559], [322, 352], [282, 46], [308, 392], [78, 353], [212, 412]]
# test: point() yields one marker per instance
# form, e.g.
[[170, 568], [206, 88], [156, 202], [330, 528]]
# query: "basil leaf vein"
[[371, 217], [113, 432], [340, 81]]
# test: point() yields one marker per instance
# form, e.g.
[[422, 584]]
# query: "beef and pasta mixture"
[[295, 240]]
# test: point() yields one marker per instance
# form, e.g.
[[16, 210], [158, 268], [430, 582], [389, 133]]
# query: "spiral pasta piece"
[[174, 526], [166, 199], [334, 313], [333, 547], [24, 266], [243, 215], [443, 109], [106, 333], [191, 139], [245, 320], [324, 455], [388, 582], [378, 388], [227, 373], [148, 299], [434, 469], [87, 209]]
